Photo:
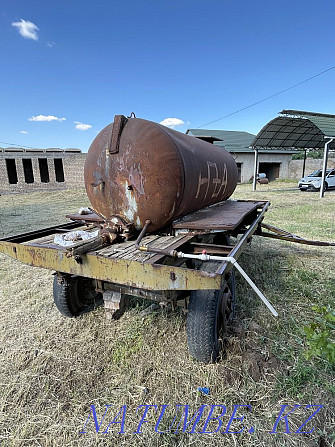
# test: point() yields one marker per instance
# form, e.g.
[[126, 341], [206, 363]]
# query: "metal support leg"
[[324, 167], [254, 183], [304, 163], [232, 260]]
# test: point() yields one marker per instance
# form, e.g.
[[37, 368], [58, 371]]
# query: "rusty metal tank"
[[138, 170]]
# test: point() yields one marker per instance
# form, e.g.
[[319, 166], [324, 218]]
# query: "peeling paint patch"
[[132, 205]]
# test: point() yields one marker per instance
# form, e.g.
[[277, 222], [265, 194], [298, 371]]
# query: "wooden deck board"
[[125, 250]]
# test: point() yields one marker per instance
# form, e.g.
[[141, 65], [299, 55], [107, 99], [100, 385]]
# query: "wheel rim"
[[225, 313], [84, 296]]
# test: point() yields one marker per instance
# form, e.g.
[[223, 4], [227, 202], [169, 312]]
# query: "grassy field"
[[52, 369]]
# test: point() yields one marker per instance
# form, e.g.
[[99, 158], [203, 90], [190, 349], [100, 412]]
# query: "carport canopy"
[[296, 129]]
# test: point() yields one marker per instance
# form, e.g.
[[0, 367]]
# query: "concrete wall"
[[247, 160], [295, 167], [73, 167]]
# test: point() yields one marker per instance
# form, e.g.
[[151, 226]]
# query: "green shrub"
[[321, 334]]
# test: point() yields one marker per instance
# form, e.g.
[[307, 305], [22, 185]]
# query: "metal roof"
[[230, 139], [49, 149], [208, 138], [297, 129]]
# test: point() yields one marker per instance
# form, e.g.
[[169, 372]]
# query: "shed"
[[296, 129], [274, 163]]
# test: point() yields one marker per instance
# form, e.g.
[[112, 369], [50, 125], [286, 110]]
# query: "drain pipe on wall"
[[204, 257]]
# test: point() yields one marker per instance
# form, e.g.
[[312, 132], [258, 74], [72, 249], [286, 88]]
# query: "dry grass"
[[52, 368]]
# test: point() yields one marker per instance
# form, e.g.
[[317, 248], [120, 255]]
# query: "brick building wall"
[[31, 170]]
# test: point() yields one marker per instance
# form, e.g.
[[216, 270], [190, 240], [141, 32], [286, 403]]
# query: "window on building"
[[28, 170], [44, 170], [239, 170], [11, 170], [59, 171]]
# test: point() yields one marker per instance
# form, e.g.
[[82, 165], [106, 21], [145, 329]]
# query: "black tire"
[[209, 313], [325, 188], [74, 295]]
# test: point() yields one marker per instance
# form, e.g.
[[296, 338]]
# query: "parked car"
[[313, 181]]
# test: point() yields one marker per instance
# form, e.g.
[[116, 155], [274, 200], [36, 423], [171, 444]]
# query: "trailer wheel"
[[74, 296], [209, 313]]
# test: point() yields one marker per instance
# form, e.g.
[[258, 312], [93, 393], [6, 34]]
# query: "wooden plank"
[[49, 239], [125, 250], [177, 243]]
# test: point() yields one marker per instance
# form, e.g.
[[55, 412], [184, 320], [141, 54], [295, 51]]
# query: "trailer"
[[191, 265], [161, 227]]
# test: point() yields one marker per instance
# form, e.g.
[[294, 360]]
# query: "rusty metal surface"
[[263, 181], [119, 271], [223, 216], [211, 248], [277, 233], [157, 174], [91, 217], [245, 239], [123, 250], [121, 263], [45, 232], [118, 125]]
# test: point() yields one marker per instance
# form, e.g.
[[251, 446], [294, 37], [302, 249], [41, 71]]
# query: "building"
[[23, 170], [300, 130], [273, 163]]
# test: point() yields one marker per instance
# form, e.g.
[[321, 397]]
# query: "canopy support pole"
[[324, 165], [254, 183], [304, 163]]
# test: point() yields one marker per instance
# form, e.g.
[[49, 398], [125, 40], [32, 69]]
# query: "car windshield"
[[318, 173]]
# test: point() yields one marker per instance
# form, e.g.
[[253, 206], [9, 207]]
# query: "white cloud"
[[46, 118], [50, 44], [23, 131], [81, 126], [172, 122], [27, 29]]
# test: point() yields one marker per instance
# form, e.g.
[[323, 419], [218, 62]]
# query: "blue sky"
[[70, 64]]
